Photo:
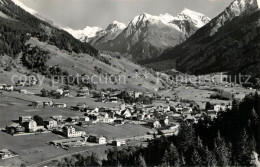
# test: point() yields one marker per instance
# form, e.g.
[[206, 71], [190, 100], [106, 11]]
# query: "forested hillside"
[[17, 26]]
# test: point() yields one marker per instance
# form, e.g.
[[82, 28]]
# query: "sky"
[[78, 14]]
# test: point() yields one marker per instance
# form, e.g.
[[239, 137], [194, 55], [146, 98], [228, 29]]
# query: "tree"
[[166, 158], [186, 136], [141, 161], [38, 120], [222, 152], [244, 151], [208, 106], [195, 158], [174, 155], [210, 159], [44, 93]]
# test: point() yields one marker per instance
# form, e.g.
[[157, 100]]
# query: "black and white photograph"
[[129, 83]]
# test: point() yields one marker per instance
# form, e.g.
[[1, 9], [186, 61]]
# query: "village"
[[157, 115], [72, 119]]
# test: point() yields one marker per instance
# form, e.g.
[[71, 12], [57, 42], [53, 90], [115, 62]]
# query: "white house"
[[69, 131], [60, 105], [101, 140], [85, 119], [60, 91], [51, 124], [219, 107], [31, 126], [9, 88]]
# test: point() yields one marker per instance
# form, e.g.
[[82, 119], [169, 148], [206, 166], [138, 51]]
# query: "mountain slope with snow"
[[110, 33], [229, 42], [146, 36], [85, 34]]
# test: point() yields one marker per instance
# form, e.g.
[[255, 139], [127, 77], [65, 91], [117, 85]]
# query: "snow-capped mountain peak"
[[116, 25], [235, 9], [142, 18], [84, 34], [198, 19], [166, 18]]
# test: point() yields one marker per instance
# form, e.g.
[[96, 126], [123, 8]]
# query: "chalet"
[[166, 109], [73, 119], [81, 104], [83, 92], [179, 108], [122, 107], [220, 107], [91, 109], [66, 92], [60, 105], [113, 99], [164, 122], [9, 88], [167, 98], [134, 117], [115, 94], [58, 118], [33, 81], [102, 109], [137, 94], [118, 143], [111, 114], [154, 124], [15, 128], [141, 116], [70, 131], [148, 94], [130, 93], [23, 91], [126, 113], [84, 119], [23, 119], [47, 103], [101, 140], [59, 91], [51, 124], [31, 126], [119, 121], [94, 117], [92, 138], [211, 113], [186, 110], [37, 104]]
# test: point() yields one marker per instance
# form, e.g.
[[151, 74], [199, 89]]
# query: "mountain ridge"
[[232, 36], [146, 36]]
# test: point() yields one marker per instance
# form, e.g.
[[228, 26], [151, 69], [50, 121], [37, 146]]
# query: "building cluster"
[[25, 124]]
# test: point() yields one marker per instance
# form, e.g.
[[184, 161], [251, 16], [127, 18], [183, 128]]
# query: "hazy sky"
[[78, 14]]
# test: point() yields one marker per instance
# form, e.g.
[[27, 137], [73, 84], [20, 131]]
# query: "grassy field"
[[116, 132], [201, 95]]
